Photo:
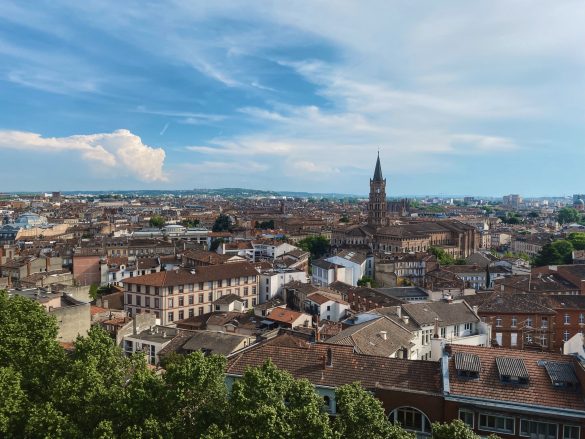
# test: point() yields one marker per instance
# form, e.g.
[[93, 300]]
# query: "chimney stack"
[[384, 335]]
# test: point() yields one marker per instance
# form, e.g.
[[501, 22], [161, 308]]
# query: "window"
[[156, 302], [499, 322], [245, 291], [581, 318], [171, 316], [566, 336], [513, 339], [544, 322], [138, 300], [466, 416], [191, 299], [537, 429], [528, 338], [200, 298], [514, 321], [468, 326], [170, 303], [567, 319], [171, 290], [328, 307], [181, 301], [200, 311], [210, 296], [543, 340], [191, 312], [412, 419], [456, 330], [200, 285], [147, 302], [499, 338], [529, 322], [497, 423], [571, 432], [181, 315], [443, 332]]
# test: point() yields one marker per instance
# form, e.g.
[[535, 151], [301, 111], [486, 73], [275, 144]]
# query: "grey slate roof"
[[448, 313]]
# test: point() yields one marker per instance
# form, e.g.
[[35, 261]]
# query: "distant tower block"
[[377, 206]]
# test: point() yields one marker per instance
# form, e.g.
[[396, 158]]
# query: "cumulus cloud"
[[120, 150]]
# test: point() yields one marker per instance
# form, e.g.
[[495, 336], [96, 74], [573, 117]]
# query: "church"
[[387, 232]]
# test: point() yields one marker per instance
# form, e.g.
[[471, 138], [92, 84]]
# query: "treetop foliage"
[[97, 392]]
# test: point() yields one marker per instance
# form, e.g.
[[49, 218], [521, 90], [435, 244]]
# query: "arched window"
[[412, 419]]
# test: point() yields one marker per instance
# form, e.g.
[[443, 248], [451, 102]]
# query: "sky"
[[459, 97]]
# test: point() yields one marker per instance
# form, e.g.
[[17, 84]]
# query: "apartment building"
[[179, 294]]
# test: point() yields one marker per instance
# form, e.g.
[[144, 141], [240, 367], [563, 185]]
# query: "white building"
[[325, 273], [326, 306], [272, 282]]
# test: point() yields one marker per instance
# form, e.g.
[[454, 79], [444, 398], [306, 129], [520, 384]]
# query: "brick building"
[[179, 294]]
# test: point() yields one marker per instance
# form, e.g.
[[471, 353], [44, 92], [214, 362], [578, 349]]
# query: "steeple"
[[378, 170], [377, 206]]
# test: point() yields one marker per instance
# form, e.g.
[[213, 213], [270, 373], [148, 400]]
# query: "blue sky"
[[470, 98]]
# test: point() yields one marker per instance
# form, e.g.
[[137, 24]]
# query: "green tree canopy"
[[268, 399], [361, 415], [222, 223], [556, 253], [443, 257], [457, 429], [318, 246], [264, 225], [577, 239], [156, 221], [568, 215]]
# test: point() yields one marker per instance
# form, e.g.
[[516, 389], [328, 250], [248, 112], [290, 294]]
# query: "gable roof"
[[368, 338], [307, 361]]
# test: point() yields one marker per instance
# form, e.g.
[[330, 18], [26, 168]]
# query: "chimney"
[[399, 311], [134, 329], [384, 335], [437, 346], [475, 309], [436, 330], [405, 318]]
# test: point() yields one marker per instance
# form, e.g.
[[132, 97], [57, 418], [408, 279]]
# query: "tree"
[[577, 239], [556, 253], [344, 219], [456, 429], [195, 394], [318, 246], [568, 215], [264, 225], [156, 221], [222, 223], [28, 344], [361, 415], [443, 257], [191, 223], [365, 280], [215, 243], [269, 402], [13, 400]]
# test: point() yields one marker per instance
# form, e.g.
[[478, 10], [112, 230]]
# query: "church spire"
[[378, 170]]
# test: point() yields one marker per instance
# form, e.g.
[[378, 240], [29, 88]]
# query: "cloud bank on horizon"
[[460, 97]]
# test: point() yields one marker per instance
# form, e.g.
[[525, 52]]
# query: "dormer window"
[[467, 365], [562, 375], [512, 370]]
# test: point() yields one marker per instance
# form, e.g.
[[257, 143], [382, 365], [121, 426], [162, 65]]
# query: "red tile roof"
[[201, 274], [347, 367], [538, 392]]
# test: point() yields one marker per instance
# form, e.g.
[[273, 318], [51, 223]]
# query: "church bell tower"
[[377, 206]]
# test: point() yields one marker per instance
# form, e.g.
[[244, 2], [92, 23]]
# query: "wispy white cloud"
[[120, 150]]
